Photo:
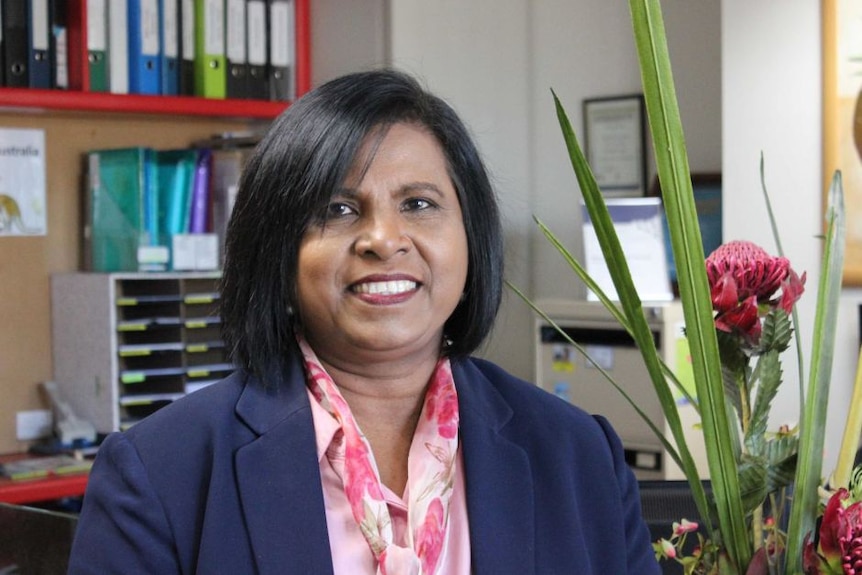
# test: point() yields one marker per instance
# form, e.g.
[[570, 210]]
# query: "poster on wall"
[[22, 183], [842, 118]]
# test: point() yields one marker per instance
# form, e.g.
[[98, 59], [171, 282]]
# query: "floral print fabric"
[[431, 472]]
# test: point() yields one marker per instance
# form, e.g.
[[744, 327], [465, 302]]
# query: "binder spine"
[[15, 15], [144, 47], [39, 44]]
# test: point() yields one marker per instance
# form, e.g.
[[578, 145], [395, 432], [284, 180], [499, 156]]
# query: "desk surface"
[[41, 489]]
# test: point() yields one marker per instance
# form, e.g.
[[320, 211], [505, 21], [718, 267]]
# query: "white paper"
[[22, 183], [638, 223]]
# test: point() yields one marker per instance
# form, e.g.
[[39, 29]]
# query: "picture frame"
[[615, 143], [842, 120]]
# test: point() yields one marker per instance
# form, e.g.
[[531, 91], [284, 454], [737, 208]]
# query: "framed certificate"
[[615, 143], [842, 120]]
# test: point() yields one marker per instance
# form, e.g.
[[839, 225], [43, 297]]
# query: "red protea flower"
[[838, 546], [743, 277]]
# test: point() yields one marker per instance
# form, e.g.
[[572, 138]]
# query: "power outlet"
[[33, 424]]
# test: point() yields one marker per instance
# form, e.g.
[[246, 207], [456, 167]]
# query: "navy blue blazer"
[[226, 480]]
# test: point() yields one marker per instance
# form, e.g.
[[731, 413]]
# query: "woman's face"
[[381, 275]]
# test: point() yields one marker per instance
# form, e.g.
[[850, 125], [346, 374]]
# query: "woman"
[[363, 266]]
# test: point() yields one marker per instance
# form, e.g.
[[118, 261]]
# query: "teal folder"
[[119, 219], [175, 171]]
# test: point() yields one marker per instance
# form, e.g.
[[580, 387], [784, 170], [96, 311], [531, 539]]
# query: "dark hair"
[[290, 178]]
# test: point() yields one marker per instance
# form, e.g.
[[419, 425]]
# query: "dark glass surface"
[[34, 541]]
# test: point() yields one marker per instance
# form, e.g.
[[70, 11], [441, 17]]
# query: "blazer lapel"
[[279, 479], [499, 482]]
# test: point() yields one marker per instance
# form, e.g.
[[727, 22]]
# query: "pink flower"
[[743, 277], [684, 526], [429, 536], [838, 547], [667, 549]]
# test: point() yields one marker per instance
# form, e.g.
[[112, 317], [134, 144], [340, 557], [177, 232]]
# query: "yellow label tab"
[[133, 377], [197, 348], [198, 299], [135, 352], [127, 301], [198, 373], [196, 324]]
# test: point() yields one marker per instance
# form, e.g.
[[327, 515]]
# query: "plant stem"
[[852, 430], [757, 527]]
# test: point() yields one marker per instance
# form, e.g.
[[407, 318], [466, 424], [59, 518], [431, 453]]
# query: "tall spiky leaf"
[[672, 161], [630, 302], [812, 429]]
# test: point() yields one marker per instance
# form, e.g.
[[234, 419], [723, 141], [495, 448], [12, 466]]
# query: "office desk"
[[41, 489]]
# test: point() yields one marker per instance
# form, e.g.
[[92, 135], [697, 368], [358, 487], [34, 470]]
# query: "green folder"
[[122, 205]]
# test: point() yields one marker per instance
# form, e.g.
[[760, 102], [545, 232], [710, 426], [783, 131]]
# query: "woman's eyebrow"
[[420, 186]]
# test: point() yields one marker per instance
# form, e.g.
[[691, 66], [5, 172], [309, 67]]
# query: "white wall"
[[772, 104], [476, 55]]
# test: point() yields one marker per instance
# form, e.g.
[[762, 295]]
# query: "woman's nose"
[[383, 236]]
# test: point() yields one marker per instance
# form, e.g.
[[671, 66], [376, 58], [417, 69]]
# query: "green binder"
[[210, 58], [97, 45]]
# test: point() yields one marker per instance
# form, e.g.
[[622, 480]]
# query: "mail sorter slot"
[[119, 338], [201, 310], [165, 310], [595, 336], [148, 289], [151, 359], [146, 334], [209, 356]]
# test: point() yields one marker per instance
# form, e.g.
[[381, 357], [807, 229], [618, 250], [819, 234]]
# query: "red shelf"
[[43, 100], [42, 489]]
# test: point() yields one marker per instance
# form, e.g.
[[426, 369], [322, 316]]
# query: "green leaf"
[[630, 302], [672, 161], [769, 370], [752, 482], [777, 331], [812, 424], [781, 458]]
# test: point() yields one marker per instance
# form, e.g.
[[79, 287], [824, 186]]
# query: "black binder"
[[236, 49], [15, 43], [282, 37], [38, 43], [257, 34], [186, 85]]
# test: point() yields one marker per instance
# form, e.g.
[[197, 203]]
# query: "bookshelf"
[[75, 122]]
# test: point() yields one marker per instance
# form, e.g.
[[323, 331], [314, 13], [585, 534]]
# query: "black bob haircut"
[[289, 180]]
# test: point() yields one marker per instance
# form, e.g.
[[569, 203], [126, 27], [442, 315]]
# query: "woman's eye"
[[417, 204], [337, 210]]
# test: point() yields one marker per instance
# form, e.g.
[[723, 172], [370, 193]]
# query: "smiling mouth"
[[394, 287]]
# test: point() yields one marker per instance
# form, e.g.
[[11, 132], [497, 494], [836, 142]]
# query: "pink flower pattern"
[[431, 469]]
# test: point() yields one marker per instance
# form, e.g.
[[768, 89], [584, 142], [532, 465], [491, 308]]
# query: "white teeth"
[[385, 288]]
